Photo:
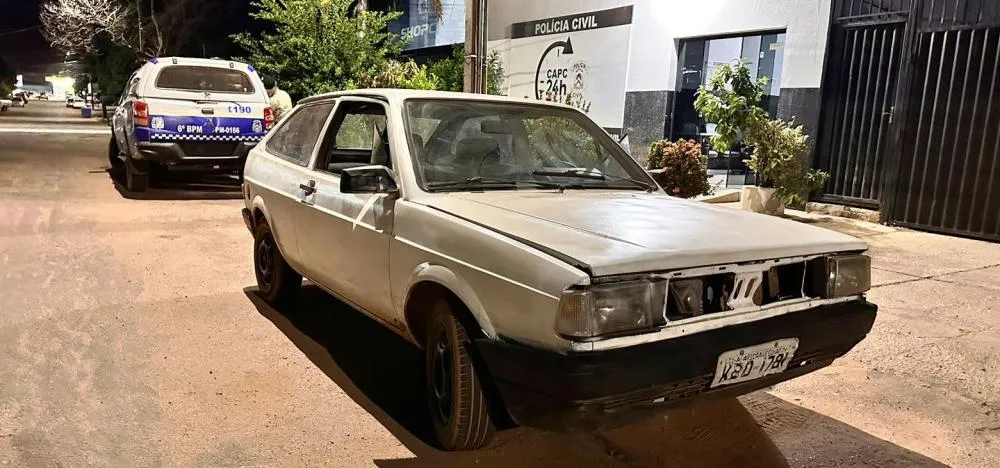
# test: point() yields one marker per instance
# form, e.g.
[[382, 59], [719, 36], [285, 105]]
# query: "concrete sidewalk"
[[927, 376]]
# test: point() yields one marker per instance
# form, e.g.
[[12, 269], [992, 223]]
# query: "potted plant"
[[679, 167], [730, 101]]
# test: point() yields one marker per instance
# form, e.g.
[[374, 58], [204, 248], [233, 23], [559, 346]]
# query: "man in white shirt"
[[281, 102]]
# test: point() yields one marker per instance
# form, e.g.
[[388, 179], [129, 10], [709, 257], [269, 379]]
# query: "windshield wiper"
[[587, 174], [484, 182]]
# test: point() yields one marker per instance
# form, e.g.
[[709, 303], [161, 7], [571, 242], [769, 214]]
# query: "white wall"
[[658, 25]]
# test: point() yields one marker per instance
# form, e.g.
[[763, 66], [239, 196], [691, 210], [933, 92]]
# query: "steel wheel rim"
[[441, 378], [265, 258]]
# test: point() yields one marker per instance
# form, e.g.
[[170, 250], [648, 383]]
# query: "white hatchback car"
[[544, 274]]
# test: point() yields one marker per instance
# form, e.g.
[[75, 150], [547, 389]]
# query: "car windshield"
[[210, 79], [476, 145]]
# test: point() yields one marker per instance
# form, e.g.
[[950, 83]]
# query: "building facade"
[[635, 65]]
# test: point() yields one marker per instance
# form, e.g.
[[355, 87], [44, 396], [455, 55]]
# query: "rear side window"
[[296, 138], [205, 79]]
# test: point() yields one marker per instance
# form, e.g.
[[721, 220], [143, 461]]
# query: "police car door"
[[206, 101]]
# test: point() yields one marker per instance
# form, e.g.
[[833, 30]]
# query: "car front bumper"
[[174, 153], [598, 390]]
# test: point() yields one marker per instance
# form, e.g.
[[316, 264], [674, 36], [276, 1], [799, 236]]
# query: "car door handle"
[[310, 188]]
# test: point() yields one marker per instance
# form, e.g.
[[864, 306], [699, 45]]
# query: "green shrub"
[[685, 169], [778, 155]]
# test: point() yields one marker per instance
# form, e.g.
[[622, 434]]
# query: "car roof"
[[393, 94], [222, 63]]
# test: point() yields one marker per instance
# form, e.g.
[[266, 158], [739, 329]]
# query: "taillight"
[[268, 118], [140, 115]]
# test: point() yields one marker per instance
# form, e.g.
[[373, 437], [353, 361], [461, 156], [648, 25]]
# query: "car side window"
[[348, 141], [295, 139]]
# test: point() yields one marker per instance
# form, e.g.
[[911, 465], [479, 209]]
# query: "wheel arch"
[[431, 282], [258, 211]]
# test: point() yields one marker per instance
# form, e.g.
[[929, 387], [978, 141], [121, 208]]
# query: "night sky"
[[30, 54], [26, 50]]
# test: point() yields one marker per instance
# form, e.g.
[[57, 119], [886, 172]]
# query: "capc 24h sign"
[[583, 57]]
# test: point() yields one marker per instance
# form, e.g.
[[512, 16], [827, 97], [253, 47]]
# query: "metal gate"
[[859, 95], [911, 121], [949, 156]]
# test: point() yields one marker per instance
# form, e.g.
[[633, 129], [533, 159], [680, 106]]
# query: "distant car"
[[70, 100], [187, 111], [42, 97], [544, 273], [19, 101], [5, 104], [79, 103]]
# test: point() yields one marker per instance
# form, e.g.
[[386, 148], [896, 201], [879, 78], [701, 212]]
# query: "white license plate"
[[754, 362]]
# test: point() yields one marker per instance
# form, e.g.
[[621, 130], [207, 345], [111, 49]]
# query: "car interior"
[[350, 140]]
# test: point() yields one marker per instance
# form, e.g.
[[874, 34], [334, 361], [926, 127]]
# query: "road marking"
[[80, 131]]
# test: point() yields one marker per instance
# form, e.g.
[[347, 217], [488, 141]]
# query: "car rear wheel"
[[276, 280], [459, 410], [136, 177], [114, 154]]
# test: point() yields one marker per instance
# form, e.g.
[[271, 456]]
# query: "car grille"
[[208, 148]]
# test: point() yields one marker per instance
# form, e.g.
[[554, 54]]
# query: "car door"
[[345, 237], [278, 171]]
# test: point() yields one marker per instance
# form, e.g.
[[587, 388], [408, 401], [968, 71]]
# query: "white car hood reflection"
[[621, 232]]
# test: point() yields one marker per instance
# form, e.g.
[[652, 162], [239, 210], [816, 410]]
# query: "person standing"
[[281, 102]]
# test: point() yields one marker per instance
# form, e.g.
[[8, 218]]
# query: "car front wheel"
[[276, 280], [459, 410]]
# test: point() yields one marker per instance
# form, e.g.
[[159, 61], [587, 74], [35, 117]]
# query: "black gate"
[[949, 159], [911, 121], [859, 95]]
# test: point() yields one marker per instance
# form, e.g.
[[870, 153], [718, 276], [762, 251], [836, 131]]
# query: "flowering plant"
[[680, 167]]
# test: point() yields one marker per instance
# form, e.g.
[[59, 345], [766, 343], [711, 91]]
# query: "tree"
[[731, 101], [450, 71], [320, 45], [76, 26], [8, 78], [149, 28]]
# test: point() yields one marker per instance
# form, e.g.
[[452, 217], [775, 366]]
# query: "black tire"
[[114, 154], [242, 166], [276, 281], [136, 178], [459, 411]]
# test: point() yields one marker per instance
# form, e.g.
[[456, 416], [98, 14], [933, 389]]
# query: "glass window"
[[357, 131], [296, 138], [212, 79], [474, 145], [699, 58]]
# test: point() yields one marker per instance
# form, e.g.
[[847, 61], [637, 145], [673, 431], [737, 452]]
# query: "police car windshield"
[[210, 79]]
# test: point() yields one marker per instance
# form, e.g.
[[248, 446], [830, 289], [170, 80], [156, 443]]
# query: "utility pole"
[[138, 14], [475, 46]]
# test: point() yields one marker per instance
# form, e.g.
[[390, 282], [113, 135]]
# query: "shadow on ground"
[[383, 374], [182, 185]]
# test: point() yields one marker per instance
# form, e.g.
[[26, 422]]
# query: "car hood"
[[611, 233]]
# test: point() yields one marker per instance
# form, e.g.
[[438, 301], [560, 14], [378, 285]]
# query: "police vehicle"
[[178, 111]]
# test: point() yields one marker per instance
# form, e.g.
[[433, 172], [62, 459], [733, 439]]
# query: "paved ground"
[[131, 336]]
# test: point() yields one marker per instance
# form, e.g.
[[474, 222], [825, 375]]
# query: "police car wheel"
[[135, 181], [114, 154]]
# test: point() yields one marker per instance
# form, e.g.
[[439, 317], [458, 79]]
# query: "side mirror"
[[368, 179]]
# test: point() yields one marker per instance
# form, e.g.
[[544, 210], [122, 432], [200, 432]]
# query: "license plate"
[[754, 362]]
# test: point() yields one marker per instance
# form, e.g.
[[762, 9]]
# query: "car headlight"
[[607, 309], [842, 275]]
